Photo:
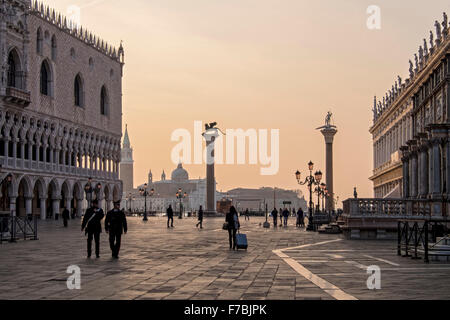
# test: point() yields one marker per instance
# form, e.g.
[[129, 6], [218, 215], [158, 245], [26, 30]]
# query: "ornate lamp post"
[[145, 193], [310, 181], [180, 195], [321, 191]]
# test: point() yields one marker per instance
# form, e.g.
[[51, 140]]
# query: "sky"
[[259, 64]]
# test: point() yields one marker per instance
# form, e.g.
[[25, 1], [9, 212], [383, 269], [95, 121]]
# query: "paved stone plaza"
[[186, 263]]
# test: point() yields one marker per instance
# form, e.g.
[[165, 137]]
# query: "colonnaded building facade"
[[60, 112], [411, 129]]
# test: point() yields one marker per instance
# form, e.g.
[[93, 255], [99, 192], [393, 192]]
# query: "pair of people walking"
[[115, 225]]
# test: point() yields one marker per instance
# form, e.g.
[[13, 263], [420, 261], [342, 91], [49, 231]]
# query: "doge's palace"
[[60, 113]]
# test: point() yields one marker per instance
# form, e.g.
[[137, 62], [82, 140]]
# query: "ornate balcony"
[[17, 96]]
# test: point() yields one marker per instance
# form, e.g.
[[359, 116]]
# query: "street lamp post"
[[145, 193], [321, 191], [180, 195], [310, 181]]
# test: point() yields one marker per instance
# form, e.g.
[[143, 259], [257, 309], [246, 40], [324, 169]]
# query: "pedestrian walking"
[[92, 226], [169, 212], [300, 214], [115, 225], [65, 216], [286, 216], [247, 215], [232, 219], [281, 217], [275, 217], [200, 217]]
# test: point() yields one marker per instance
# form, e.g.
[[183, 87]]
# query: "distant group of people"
[[116, 224], [284, 217]]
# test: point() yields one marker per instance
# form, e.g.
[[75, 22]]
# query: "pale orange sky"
[[259, 64]]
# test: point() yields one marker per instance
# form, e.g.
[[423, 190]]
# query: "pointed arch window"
[[78, 91], [104, 102], [46, 79], [39, 41], [14, 78]]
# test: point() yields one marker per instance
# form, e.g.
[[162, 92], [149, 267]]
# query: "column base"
[[212, 214]]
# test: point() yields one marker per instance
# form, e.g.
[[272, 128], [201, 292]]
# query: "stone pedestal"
[[329, 133]]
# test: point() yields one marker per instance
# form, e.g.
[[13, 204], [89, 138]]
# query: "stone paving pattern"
[[187, 263]]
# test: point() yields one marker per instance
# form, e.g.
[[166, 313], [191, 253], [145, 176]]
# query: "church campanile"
[[126, 164]]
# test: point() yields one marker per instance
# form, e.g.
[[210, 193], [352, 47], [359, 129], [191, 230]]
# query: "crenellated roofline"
[[61, 22]]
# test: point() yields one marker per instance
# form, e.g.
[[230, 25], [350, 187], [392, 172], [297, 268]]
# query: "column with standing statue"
[[329, 131]]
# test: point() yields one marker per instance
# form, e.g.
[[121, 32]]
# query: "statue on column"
[[399, 81], [416, 60], [328, 124], [421, 54], [431, 39], [328, 119]]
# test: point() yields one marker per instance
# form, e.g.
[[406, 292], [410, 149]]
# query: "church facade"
[[60, 112], [411, 130]]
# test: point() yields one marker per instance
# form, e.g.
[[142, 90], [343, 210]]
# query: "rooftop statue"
[[438, 30], [431, 39], [445, 22]]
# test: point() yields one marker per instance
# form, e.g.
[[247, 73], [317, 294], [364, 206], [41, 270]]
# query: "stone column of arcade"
[[210, 136]]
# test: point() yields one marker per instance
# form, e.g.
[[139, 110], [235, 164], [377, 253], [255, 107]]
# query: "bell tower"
[[126, 164]]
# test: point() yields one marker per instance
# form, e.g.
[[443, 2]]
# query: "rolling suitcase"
[[241, 241]]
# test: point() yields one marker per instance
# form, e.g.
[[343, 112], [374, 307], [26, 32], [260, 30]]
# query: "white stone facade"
[[60, 112], [411, 129]]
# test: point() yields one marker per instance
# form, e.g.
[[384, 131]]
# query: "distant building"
[[126, 164], [411, 128], [256, 199], [60, 112], [165, 193]]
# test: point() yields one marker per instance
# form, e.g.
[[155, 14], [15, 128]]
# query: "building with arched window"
[[60, 114]]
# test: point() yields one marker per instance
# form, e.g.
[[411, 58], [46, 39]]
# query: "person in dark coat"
[[92, 226], [200, 217], [65, 216], [247, 215], [115, 225], [281, 217], [275, 217], [232, 218], [285, 216], [169, 216], [300, 221]]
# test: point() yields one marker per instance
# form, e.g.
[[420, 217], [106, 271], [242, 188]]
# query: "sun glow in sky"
[[262, 64]]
